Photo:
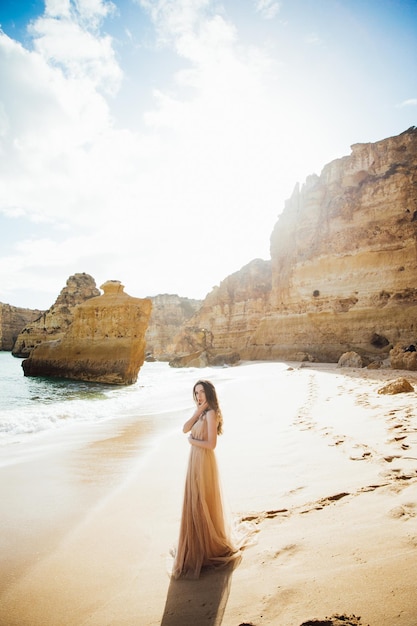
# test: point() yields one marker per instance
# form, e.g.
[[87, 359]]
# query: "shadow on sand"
[[202, 601]]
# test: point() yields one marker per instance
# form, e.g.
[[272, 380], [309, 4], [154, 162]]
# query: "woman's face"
[[200, 395]]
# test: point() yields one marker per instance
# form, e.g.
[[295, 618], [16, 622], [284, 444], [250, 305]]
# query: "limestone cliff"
[[228, 317], [104, 343], [12, 320], [53, 324], [343, 269], [344, 258], [169, 313]]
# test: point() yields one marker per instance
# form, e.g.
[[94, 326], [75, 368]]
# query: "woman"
[[204, 538]]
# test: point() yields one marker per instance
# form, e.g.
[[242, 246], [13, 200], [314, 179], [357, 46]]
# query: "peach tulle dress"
[[205, 539]]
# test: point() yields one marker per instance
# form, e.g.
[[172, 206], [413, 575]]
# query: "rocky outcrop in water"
[[169, 313], [53, 324], [104, 343], [12, 321]]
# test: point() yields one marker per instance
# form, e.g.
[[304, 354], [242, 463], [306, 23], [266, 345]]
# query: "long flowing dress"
[[204, 538]]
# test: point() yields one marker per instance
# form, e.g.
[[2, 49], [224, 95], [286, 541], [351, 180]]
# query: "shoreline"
[[324, 466]]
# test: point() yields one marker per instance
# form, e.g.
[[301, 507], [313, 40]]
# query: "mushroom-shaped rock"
[[105, 342]]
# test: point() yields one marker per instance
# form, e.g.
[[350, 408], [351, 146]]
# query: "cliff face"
[[105, 342], [12, 320], [229, 314], [53, 324], [343, 270], [344, 260], [169, 314]]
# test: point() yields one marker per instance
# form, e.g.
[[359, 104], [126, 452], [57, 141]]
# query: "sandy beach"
[[323, 465]]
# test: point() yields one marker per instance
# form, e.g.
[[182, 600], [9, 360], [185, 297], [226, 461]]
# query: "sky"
[[155, 142]]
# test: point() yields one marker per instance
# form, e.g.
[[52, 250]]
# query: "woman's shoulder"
[[212, 414]]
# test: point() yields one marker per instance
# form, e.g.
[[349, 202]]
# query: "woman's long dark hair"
[[212, 401]]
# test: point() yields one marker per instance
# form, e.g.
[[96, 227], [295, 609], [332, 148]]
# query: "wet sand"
[[323, 465]]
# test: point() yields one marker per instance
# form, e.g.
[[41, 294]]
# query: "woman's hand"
[[201, 408]]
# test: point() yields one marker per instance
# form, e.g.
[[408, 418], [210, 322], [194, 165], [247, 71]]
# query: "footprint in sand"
[[363, 401], [412, 541], [360, 452], [335, 620], [303, 419], [320, 504], [397, 439], [338, 440], [403, 512], [390, 457], [286, 552], [256, 518], [371, 488], [398, 479], [357, 556], [295, 490]]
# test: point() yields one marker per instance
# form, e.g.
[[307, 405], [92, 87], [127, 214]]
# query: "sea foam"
[[33, 405]]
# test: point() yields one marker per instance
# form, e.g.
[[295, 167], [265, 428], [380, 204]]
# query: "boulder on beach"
[[350, 359], [400, 385]]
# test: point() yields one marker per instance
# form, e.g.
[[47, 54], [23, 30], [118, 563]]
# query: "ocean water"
[[29, 405]]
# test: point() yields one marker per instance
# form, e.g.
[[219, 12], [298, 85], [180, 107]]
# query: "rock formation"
[[105, 342], [343, 270], [169, 314], [350, 359], [12, 320], [400, 385], [404, 357], [344, 262], [223, 326], [53, 324]]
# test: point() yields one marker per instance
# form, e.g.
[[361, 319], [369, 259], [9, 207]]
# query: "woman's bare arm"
[[197, 413], [211, 440]]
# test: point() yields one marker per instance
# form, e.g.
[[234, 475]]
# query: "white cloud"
[[131, 204], [192, 192], [216, 147], [411, 102], [268, 8], [67, 36], [48, 121], [175, 19], [89, 12]]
